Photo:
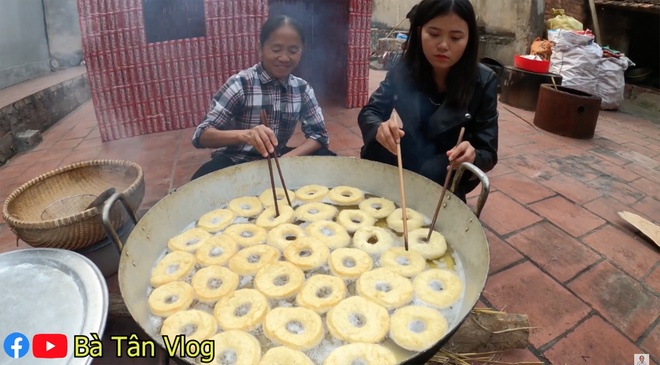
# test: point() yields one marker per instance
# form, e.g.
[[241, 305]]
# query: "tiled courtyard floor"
[[559, 251]]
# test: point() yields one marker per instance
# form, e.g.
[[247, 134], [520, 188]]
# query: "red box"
[[541, 67]]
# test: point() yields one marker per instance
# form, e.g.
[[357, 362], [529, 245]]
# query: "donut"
[[242, 310], [312, 193], [330, 233], [356, 319], [307, 253], [279, 280], [249, 206], [216, 220], [266, 198], [439, 288], [268, 220], [361, 353], [314, 212], [194, 324], [349, 263], [174, 266], [214, 282], [385, 288], [378, 208], [296, 328], [431, 249], [345, 195], [373, 240], [236, 347], [395, 220], [282, 235], [354, 219], [246, 234], [216, 251], [170, 298], [417, 328], [189, 241], [402, 262], [251, 259], [285, 356], [321, 292]]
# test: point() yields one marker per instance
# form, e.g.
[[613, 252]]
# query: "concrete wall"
[[388, 13], [64, 37], [23, 44], [578, 9]]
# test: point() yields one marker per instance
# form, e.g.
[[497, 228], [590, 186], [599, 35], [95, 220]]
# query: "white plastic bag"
[[575, 57], [611, 81]]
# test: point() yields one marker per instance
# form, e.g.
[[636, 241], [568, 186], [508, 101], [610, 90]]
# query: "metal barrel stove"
[[567, 112]]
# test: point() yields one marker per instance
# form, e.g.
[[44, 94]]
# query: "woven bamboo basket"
[[50, 210]]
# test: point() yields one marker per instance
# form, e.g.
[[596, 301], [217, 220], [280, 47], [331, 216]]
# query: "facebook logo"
[[16, 345]]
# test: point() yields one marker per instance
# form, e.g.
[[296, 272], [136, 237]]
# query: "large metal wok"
[[168, 217]]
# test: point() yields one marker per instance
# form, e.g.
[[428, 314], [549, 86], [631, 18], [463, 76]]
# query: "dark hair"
[[411, 13], [275, 23], [461, 78]]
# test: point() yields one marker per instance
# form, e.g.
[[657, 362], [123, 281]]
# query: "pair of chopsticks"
[[264, 121]]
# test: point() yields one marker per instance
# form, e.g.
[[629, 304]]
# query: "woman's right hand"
[[262, 138], [390, 134]]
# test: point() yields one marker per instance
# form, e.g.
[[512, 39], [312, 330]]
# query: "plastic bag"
[[563, 21], [542, 48], [576, 58], [611, 81]]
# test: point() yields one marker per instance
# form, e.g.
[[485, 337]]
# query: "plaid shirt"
[[238, 106]]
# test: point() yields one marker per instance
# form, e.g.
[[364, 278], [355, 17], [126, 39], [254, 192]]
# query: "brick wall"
[[578, 9]]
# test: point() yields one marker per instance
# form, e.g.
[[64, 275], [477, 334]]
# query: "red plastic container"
[[541, 67]]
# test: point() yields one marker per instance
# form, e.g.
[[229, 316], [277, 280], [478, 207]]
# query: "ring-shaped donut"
[[171, 298], [314, 212], [349, 263], [236, 347], [312, 193], [251, 259], [416, 328], [431, 249], [373, 240], [249, 206], [378, 208], [330, 233], [285, 356], [189, 241], [282, 235], [266, 198], [194, 324], [307, 253], [174, 266], [296, 328], [439, 288], [395, 220], [321, 292], [268, 220], [246, 234], [214, 282], [279, 280], [216, 251], [242, 310], [405, 263], [354, 219], [346, 195], [216, 220], [385, 288], [361, 353], [356, 319]]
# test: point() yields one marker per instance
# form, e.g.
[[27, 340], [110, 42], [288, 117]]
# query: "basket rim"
[[71, 219]]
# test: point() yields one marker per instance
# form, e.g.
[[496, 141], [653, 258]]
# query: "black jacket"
[[425, 145]]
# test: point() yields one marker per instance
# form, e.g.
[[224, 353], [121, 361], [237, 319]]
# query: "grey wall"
[[63, 29]]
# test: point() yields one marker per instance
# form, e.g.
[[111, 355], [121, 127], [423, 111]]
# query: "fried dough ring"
[[216, 220], [246, 235], [201, 324], [385, 288], [249, 206], [363, 238], [307, 253], [242, 310], [238, 345], [349, 263], [416, 328], [378, 208], [171, 298], [266, 198], [395, 220], [174, 266], [354, 219], [314, 212], [214, 282], [268, 220], [332, 234], [251, 259], [439, 288], [279, 280], [312, 193], [402, 262], [216, 251], [321, 292], [346, 195], [285, 356], [356, 319], [433, 249], [296, 328], [188, 241], [362, 353], [279, 236]]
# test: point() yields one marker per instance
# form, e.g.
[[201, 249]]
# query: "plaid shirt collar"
[[266, 78]]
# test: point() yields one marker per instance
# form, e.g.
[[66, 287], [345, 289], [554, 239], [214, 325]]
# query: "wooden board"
[[649, 229]]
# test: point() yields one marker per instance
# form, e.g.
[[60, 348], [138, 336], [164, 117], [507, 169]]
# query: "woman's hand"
[[390, 134], [464, 152], [262, 138]]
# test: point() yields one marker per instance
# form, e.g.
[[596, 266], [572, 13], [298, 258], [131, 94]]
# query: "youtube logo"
[[49, 346]]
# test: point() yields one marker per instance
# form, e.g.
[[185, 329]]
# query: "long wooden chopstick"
[[444, 189], [264, 121], [402, 189]]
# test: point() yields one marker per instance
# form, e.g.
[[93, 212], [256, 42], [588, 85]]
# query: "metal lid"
[[50, 291]]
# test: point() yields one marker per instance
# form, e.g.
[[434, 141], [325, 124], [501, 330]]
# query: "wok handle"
[[107, 225], [485, 184]]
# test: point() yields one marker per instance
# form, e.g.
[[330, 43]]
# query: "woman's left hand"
[[464, 152]]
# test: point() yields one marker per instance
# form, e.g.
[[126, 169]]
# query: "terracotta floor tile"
[[646, 172], [634, 255], [609, 154], [572, 218], [196, 157], [81, 155], [501, 254], [552, 249], [653, 280], [182, 175], [345, 142], [513, 140], [640, 159], [504, 152], [618, 190], [574, 167], [529, 166], [644, 150], [336, 129], [651, 188], [499, 170], [522, 189], [607, 208], [37, 170], [617, 172], [504, 215], [356, 130], [618, 298], [70, 144], [76, 132], [652, 343], [90, 142], [594, 342], [526, 289], [25, 157], [13, 171], [158, 170], [649, 208], [571, 189], [154, 192]]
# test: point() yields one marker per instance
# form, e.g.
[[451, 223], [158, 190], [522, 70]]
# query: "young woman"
[[233, 127], [437, 88]]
